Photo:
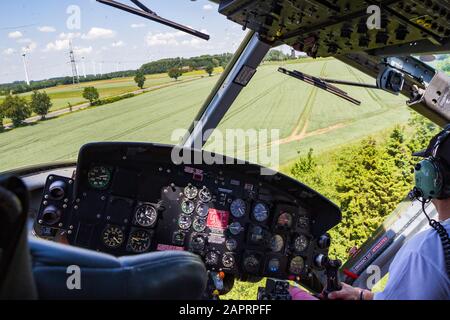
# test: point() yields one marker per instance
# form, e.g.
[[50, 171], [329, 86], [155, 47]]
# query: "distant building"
[[293, 54]]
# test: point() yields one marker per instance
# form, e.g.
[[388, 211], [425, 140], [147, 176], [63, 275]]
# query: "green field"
[[306, 116], [62, 95]]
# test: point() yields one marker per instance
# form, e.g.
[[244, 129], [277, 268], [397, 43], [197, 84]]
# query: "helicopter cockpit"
[[179, 222]]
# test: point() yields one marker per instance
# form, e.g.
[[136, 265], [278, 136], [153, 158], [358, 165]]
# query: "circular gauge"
[[191, 192], [198, 243], [99, 177], [184, 222], [238, 208], [199, 224], [231, 244], [139, 241], [301, 243], [297, 265], [112, 237], [274, 265], [235, 228], [284, 220], [212, 258], [146, 215], [251, 263], [277, 243], [228, 260], [202, 209], [303, 222], [260, 212], [205, 195], [187, 206]]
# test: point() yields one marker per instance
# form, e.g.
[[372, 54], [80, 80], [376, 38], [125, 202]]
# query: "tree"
[[209, 69], [175, 73], [140, 79], [40, 103], [91, 94], [16, 108]]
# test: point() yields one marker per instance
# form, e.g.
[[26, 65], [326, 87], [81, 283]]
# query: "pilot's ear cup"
[[428, 178]]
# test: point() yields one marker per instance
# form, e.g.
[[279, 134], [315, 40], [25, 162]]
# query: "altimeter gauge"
[[113, 237]]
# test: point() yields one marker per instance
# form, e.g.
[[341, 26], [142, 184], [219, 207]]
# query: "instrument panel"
[[130, 199]]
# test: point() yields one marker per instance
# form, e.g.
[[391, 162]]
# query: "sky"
[[104, 39]]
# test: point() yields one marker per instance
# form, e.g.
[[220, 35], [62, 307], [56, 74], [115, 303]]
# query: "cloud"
[[82, 51], [99, 33], [164, 39], [207, 7], [57, 45], [15, 35], [24, 40], [69, 35], [9, 51], [138, 25], [47, 29], [118, 44]]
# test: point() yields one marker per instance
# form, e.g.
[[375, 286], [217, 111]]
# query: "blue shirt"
[[418, 270]]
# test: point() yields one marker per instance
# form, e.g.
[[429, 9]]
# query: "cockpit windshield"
[[60, 48]]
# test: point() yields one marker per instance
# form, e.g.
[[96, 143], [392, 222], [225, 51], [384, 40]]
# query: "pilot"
[[420, 270]]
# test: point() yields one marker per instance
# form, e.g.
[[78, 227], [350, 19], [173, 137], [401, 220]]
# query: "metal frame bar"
[[148, 14], [250, 54]]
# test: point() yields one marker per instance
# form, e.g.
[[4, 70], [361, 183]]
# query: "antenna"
[[27, 78], [75, 77]]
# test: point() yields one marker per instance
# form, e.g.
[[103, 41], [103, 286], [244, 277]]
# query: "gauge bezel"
[[300, 235], [136, 219], [148, 242], [203, 224], [110, 228], [187, 217], [200, 197], [190, 196], [303, 265], [202, 205], [109, 172], [267, 208], [187, 212], [239, 215]]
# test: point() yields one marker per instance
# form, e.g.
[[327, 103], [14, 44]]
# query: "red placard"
[[217, 219]]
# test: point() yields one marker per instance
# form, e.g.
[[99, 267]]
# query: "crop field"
[[62, 95], [306, 116]]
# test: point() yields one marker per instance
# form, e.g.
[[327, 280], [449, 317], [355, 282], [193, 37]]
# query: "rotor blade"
[[156, 18], [319, 84]]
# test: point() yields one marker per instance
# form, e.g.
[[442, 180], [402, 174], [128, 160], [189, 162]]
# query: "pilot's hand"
[[346, 293]]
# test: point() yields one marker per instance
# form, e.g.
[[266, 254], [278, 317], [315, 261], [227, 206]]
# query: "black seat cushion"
[[157, 275]]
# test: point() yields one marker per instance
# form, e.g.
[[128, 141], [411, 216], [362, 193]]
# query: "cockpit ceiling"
[[331, 27]]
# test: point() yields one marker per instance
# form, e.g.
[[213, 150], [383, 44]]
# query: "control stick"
[[332, 273]]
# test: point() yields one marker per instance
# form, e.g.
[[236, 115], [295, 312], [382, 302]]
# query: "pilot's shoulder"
[[424, 242]]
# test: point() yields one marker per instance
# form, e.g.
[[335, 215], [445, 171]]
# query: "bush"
[[40, 103], [16, 108], [175, 73], [91, 94], [140, 79], [112, 99], [209, 69]]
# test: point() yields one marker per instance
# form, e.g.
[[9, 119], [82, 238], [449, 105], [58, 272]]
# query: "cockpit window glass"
[[63, 47]]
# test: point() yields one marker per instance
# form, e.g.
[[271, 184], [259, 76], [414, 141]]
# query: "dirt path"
[[60, 112]]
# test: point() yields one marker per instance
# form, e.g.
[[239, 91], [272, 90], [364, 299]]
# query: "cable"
[[443, 234]]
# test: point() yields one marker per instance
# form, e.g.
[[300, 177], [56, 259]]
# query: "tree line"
[[367, 180]]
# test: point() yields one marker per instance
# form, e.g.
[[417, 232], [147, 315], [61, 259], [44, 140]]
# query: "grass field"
[[62, 95], [306, 116]]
